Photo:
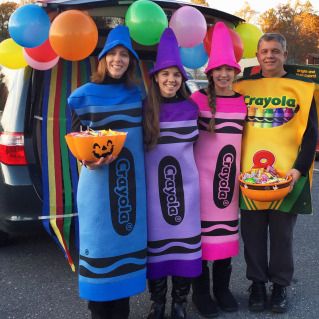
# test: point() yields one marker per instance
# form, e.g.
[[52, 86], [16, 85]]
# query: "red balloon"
[[237, 43], [42, 53]]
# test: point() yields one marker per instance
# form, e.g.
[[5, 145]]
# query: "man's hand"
[[295, 175], [102, 161]]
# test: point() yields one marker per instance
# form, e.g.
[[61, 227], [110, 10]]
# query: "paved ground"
[[36, 283]]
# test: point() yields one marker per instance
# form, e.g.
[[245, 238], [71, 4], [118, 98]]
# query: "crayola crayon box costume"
[[278, 145]]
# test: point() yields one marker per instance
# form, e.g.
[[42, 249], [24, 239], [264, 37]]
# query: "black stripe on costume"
[[95, 117], [122, 270], [105, 262], [229, 130], [204, 119], [160, 243], [175, 250], [180, 130], [220, 232], [117, 125], [237, 121], [231, 223], [171, 140]]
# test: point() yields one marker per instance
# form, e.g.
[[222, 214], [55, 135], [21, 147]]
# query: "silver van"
[[39, 176]]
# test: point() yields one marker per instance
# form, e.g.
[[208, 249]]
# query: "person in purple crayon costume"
[[217, 154], [172, 182]]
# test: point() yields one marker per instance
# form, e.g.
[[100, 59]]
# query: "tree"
[[247, 13], [299, 24], [6, 9]]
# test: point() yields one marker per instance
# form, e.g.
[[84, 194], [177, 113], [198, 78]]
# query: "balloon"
[[237, 43], [249, 35], [40, 65], [194, 58], [189, 26], [29, 25], [146, 21], [42, 53], [73, 35], [11, 55]]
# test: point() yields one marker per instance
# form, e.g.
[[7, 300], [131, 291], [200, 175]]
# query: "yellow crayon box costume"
[[277, 146]]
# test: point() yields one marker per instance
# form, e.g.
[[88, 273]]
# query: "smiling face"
[[169, 81], [117, 62], [223, 78], [271, 57]]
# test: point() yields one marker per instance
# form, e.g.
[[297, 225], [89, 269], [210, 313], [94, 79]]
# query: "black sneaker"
[[278, 301], [258, 297]]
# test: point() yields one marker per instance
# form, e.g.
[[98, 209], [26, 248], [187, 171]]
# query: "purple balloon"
[[189, 26]]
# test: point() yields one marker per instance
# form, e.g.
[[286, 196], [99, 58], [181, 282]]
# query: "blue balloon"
[[195, 57], [29, 26]]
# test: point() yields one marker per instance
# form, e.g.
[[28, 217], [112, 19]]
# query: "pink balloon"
[[189, 26], [40, 65]]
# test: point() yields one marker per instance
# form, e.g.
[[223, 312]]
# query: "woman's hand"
[[102, 161], [295, 175]]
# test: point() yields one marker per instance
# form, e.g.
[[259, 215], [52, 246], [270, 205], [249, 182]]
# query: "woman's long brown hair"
[[211, 95], [151, 111], [101, 71]]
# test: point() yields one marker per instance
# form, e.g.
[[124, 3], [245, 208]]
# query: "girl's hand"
[[102, 161], [295, 174]]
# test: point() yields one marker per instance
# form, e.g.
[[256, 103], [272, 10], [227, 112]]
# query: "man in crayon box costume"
[[290, 149]]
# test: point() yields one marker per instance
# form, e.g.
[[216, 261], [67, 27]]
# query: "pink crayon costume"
[[217, 156]]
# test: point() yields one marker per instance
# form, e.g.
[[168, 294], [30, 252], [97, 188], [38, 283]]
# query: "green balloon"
[[146, 21], [249, 35]]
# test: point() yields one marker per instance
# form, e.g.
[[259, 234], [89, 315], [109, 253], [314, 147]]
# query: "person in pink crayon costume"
[[217, 153]]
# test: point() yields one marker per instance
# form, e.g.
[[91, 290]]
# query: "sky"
[[231, 6]]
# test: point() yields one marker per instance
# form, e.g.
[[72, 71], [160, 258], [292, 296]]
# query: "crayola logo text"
[[123, 193], [224, 178], [171, 190]]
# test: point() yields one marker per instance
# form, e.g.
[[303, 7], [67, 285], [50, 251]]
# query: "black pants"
[[256, 227], [201, 284], [180, 289], [115, 309]]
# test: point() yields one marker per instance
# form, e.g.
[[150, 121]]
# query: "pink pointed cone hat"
[[222, 51]]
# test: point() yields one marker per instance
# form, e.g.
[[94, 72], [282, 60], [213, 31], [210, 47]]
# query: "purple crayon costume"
[[174, 234], [217, 157]]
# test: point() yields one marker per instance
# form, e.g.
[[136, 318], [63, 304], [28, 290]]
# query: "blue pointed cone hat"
[[120, 35], [222, 51], [168, 54]]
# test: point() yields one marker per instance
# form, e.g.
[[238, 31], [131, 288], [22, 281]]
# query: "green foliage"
[[299, 23]]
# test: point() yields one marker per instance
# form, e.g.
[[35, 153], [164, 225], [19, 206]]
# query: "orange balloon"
[[73, 35]]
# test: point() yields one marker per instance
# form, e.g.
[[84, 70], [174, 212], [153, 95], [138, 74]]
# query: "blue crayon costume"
[[111, 200]]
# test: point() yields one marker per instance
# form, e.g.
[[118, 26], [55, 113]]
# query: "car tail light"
[[12, 149]]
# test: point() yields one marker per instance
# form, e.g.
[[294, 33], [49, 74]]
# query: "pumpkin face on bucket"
[[105, 150], [89, 147]]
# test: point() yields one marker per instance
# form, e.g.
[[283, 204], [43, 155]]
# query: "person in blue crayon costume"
[[111, 192]]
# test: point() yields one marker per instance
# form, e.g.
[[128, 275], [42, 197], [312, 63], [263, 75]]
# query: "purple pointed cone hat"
[[222, 51], [168, 54]]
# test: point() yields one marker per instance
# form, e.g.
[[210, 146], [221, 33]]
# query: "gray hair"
[[273, 37]]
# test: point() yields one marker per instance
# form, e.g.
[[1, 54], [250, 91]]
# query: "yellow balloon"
[[11, 55], [249, 35]]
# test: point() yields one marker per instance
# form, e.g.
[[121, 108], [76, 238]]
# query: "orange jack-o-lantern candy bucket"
[[92, 145], [265, 192]]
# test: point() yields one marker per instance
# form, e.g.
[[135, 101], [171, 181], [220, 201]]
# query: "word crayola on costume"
[[270, 101]]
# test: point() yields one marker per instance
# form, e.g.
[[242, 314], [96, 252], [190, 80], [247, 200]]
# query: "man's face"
[[271, 57]]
